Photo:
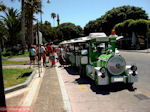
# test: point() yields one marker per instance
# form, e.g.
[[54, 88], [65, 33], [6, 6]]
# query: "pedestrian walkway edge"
[[33, 89], [67, 106]]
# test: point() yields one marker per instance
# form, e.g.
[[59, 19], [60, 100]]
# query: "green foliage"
[[126, 28], [53, 15], [2, 7], [123, 27], [70, 30], [50, 33], [31, 7], [140, 26], [62, 32], [11, 21], [2, 31], [14, 51], [116, 15]]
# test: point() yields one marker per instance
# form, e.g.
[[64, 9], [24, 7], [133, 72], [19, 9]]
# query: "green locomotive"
[[96, 57]]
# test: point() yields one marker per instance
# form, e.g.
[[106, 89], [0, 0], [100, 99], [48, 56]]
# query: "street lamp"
[[23, 24]]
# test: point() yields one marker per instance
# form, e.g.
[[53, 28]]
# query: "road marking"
[[83, 87], [66, 101]]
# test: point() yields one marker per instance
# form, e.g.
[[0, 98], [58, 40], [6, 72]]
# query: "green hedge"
[[126, 28]]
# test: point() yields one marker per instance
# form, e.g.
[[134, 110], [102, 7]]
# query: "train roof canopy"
[[97, 35]]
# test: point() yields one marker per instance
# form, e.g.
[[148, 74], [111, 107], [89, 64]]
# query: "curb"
[[65, 97], [137, 51], [22, 85]]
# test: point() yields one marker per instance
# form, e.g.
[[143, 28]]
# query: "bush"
[[125, 28], [7, 53]]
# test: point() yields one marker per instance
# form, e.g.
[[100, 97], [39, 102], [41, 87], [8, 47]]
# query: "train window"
[[84, 52]]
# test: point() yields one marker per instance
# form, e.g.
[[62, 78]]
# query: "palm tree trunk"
[[31, 27], [23, 27], [53, 22]]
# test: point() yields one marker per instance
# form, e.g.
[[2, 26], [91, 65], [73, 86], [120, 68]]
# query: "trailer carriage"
[[97, 58]]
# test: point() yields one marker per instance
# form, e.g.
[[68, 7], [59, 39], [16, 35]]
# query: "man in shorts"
[[32, 55]]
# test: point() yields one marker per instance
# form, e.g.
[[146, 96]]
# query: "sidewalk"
[[43, 94], [49, 98], [139, 51]]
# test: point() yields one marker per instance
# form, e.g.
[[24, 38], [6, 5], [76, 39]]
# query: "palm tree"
[[58, 20], [2, 7], [2, 34], [2, 26], [28, 9], [31, 7], [53, 15], [12, 25], [22, 25]]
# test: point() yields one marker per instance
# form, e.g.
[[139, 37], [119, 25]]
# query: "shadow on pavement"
[[105, 90], [72, 70]]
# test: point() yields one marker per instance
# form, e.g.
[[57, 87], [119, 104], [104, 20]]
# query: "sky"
[[80, 12]]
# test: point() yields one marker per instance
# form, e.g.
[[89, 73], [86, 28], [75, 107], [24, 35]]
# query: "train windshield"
[[102, 47]]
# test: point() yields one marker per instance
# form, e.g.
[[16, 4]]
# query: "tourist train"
[[97, 57]]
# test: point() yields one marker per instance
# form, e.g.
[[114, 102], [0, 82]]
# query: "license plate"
[[118, 79]]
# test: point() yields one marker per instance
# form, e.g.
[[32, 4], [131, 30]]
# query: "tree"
[[53, 15], [123, 28], [140, 27], [12, 24], [116, 15], [70, 30], [3, 33], [2, 26], [46, 30], [22, 24], [2, 7], [90, 27], [58, 20], [31, 7]]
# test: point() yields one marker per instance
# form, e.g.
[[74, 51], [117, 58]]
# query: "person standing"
[[43, 51], [32, 55], [52, 59]]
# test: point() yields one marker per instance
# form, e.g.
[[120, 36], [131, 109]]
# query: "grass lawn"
[[11, 76], [14, 62]]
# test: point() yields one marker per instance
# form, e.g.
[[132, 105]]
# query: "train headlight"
[[134, 68], [116, 65], [102, 70]]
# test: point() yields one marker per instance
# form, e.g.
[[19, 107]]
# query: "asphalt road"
[[85, 96]]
